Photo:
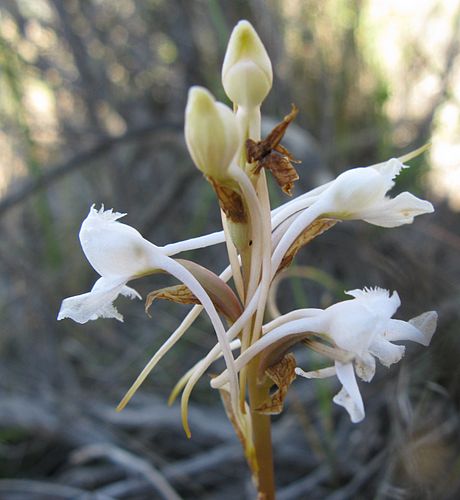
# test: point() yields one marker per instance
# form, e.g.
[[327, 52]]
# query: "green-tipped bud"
[[247, 71], [211, 133]]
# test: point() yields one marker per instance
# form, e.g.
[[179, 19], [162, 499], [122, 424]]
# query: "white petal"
[[126, 291], [352, 325], [378, 300], [419, 329], [365, 367], [368, 292], [426, 323], [116, 249], [353, 191], [390, 169], [349, 397], [386, 352], [95, 304], [393, 212], [104, 215], [321, 373]]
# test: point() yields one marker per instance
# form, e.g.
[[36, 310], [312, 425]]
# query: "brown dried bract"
[[244, 432], [230, 201], [282, 374], [317, 227], [271, 155], [177, 293], [222, 296]]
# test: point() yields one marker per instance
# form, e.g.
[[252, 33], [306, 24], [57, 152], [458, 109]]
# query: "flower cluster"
[[226, 146]]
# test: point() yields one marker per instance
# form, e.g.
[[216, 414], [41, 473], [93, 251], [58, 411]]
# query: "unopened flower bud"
[[247, 71], [211, 133]]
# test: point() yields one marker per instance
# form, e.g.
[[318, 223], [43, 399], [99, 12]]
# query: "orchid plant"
[[226, 145]]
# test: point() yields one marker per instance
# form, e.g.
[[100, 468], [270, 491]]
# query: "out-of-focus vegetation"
[[92, 94]]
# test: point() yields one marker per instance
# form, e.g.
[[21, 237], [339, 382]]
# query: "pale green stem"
[[255, 216], [233, 257], [261, 424], [266, 256]]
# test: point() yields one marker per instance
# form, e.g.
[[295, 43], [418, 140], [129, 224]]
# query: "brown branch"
[[51, 174]]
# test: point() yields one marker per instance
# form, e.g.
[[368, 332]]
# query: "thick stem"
[[261, 424], [261, 428]]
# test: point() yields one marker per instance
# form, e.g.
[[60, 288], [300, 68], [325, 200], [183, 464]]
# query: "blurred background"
[[92, 96]]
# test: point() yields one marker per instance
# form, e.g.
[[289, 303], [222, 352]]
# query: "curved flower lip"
[[98, 303]]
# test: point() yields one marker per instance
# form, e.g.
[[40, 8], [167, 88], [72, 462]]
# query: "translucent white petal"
[[95, 304], [393, 212], [419, 329], [365, 367], [426, 323], [386, 352], [349, 397]]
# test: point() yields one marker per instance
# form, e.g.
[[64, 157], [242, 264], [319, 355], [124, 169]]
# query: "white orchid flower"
[[358, 193], [119, 253], [361, 328]]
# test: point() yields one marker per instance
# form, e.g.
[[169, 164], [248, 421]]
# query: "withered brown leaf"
[[271, 155], [317, 227], [177, 293], [282, 374]]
